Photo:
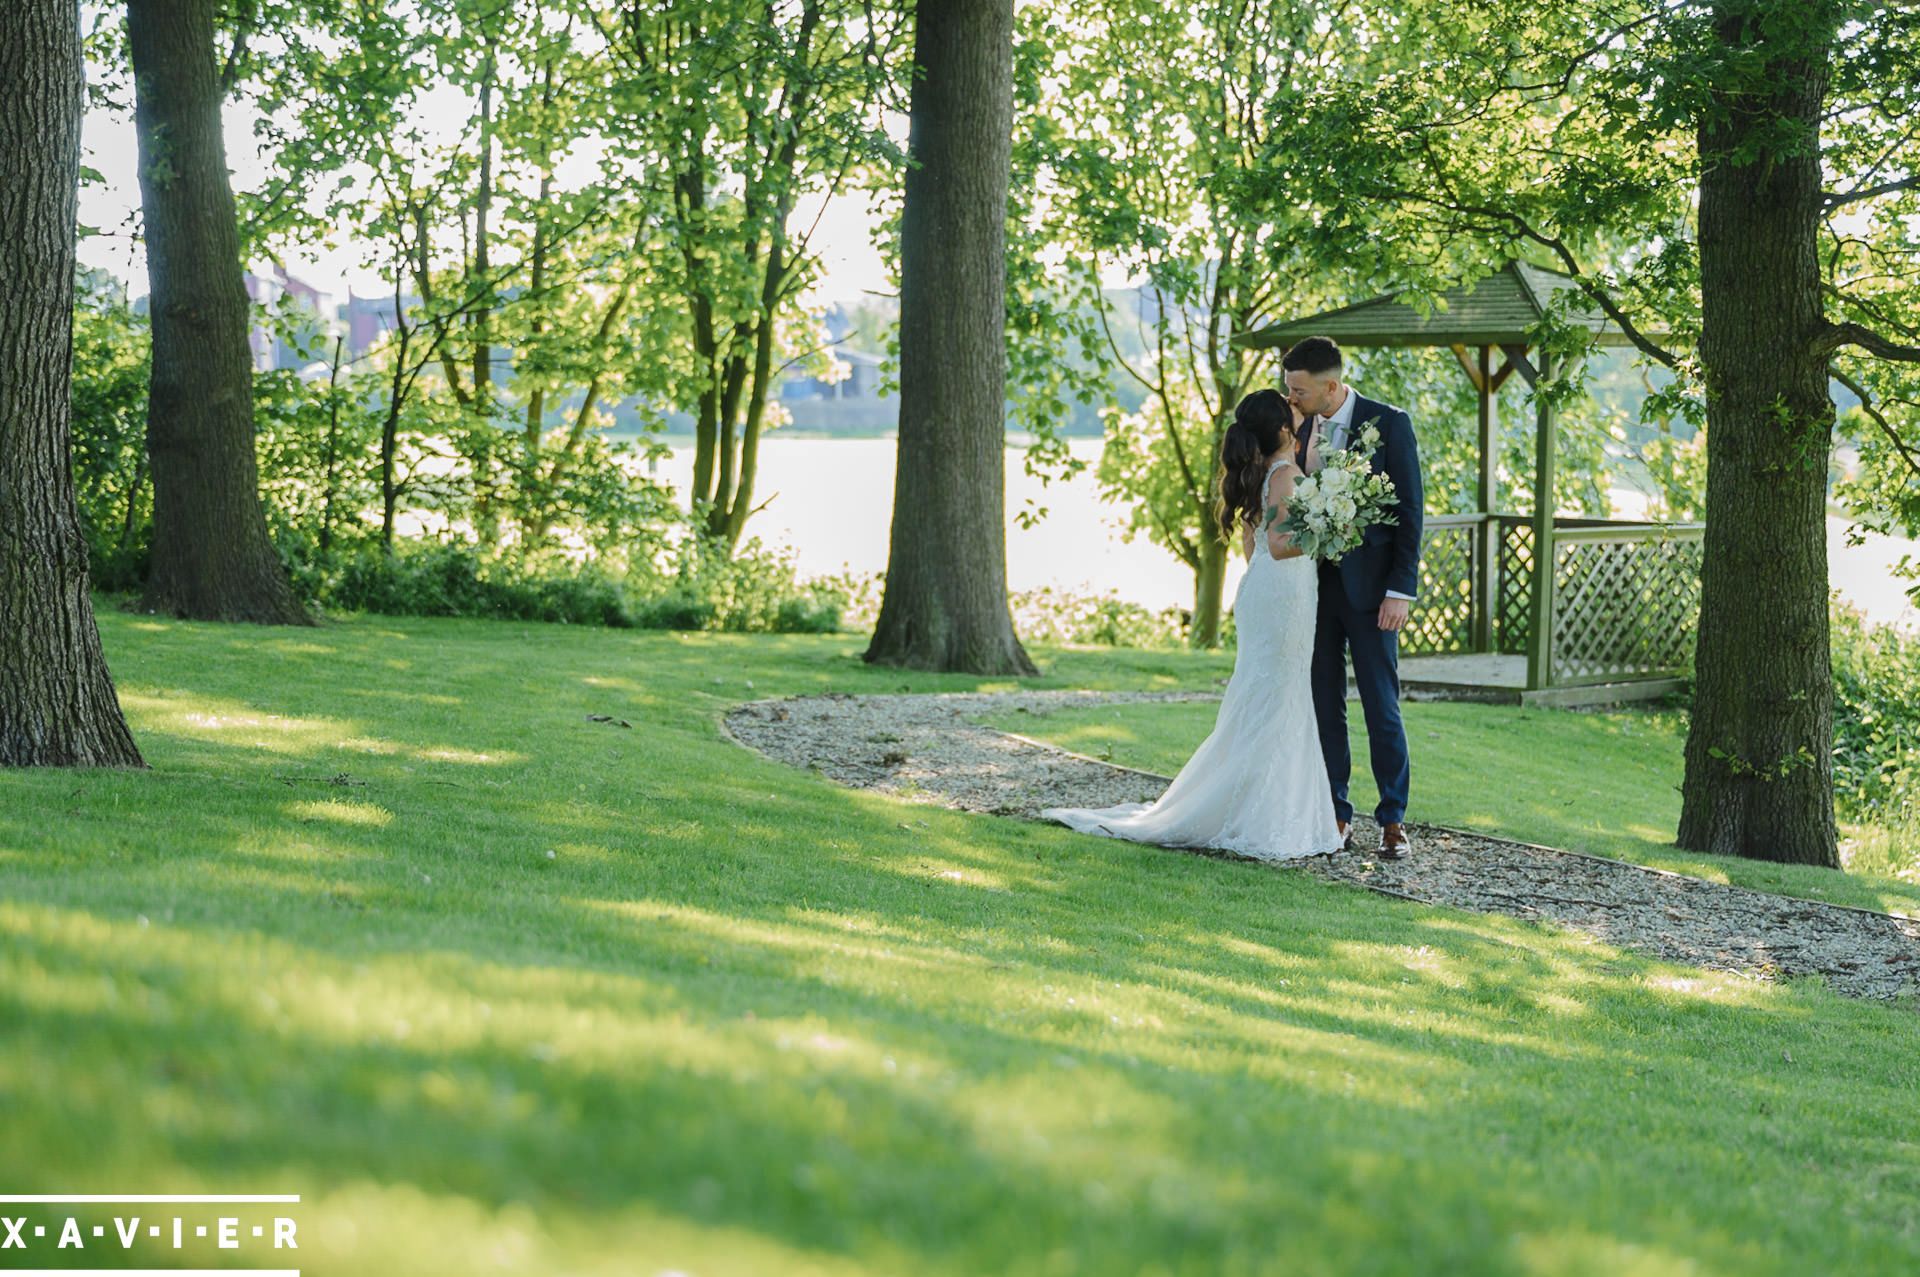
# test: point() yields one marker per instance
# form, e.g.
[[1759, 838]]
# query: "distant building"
[[305, 309], [862, 368], [367, 320], [861, 382], [853, 403]]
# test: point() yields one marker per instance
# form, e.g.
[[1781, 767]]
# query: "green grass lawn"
[[392, 925], [1603, 783]]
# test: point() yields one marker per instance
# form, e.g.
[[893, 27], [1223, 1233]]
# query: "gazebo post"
[[1486, 585], [1540, 632]]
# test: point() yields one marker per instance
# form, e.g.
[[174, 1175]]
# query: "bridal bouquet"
[[1330, 510]]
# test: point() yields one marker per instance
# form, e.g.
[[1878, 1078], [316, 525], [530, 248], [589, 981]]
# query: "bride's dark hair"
[[1262, 425]]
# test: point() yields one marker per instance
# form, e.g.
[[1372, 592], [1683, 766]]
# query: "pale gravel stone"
[[930, 748]]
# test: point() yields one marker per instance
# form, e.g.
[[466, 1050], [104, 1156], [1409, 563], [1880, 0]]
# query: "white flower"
[[1331, 511]]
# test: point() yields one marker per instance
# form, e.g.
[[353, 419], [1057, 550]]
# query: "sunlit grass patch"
[[517, 991]]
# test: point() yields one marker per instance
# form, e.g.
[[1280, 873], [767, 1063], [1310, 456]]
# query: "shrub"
[[1047, 615], [752, 590], [111, 484], [452, 579], [1876, 721]]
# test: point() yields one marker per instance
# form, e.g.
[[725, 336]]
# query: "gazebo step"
[[1646, 689], [1492, 679]]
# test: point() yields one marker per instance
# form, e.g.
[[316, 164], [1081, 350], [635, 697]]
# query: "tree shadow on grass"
[[1287, 1050], [850, 1121], [750, 1004]]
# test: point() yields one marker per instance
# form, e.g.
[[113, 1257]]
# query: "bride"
[[1256, 785]]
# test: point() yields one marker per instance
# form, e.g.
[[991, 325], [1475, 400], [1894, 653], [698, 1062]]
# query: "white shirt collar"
[[1340, 423]]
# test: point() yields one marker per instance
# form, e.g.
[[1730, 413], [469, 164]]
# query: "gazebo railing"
[[1626, 603], [1626, 595], [1450, 559]]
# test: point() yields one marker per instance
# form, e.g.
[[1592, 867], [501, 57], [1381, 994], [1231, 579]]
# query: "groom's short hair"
[[1316, 355]]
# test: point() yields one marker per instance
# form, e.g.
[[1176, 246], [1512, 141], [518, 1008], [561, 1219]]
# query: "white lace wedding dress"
[[1257, 785]]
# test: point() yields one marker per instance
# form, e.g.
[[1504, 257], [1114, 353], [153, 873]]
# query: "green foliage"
[[602, 502], [667, 275], [1677, 468], [318, 445], [450, 579], [1139, 123], [1164, 473], [706, 585], [111, 347], [1434, 390], [1056, 371], [726, 116], [698, 586], [1585, 431], [1047, 615], [612, 546], [1881, 490], [1876, 722]]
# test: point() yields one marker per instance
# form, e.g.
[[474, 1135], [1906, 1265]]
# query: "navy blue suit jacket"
[[1388, 556]]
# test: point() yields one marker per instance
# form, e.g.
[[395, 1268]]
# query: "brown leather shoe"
[[1346, 835], [1394, 843]]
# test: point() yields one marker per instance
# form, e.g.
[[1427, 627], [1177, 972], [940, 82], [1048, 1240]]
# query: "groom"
[[1365, 596]]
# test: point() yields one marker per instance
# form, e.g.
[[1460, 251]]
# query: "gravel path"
[[931, 748]]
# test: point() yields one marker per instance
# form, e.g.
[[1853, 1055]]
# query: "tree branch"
[[1100, 309], [1524, 229], [1879, 419], [246, 17], [1851, 334], [1834, 199]]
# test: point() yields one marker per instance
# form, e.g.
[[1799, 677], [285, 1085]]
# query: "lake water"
[[831, 502]]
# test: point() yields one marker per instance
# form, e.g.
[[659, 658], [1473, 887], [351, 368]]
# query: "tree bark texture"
[[212, 557], [1759, 773], [57, 703], [1209, 591], [945, 604]]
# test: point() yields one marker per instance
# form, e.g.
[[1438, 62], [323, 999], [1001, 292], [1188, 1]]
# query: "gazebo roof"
[[1494, 311]]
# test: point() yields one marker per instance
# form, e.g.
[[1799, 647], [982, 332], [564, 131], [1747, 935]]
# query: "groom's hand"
[[1393, 615]]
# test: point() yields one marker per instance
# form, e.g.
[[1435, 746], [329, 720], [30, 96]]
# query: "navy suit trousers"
[[1342, 630]]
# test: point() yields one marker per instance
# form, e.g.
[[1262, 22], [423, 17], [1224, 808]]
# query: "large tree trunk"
[[1759, 751], [212, 558], [57, 703], [945, 606]]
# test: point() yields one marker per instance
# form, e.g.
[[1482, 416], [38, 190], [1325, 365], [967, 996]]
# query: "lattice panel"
[[1625, 608], [1513, 614], [1442, 617]]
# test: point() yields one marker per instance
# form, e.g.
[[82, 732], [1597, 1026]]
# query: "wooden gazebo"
[[1533, 608]]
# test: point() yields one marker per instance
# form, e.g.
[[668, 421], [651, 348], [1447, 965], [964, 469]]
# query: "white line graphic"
[[79, 1198]]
